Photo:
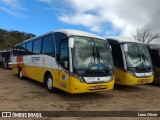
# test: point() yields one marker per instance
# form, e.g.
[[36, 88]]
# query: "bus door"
[[64, 66]]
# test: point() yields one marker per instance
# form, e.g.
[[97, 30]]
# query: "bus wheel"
[[49, 82], [20, 74], [5, 66]]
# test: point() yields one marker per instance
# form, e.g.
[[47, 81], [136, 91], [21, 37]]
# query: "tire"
[[5, 66], [20, 74], [49, 83]]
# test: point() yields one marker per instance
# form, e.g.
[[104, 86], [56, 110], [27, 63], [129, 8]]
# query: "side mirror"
[[110, 47], [71, 42], [125, 46]]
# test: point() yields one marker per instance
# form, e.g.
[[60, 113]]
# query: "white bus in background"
[[71, 60], [6, 58], [132, 61]]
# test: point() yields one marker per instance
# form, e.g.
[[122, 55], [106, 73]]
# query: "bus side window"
[[37, 46], [23, 49], [155, 58], [117, 55], [48, 45], [29, 47], [58, 36], [64, 54]]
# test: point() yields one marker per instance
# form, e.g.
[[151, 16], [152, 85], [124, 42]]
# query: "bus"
[[70, 60], [6, 58], [154, 50], [132, 61]]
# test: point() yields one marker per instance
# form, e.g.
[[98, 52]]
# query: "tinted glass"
[[117, 55], [58, 37], [29, 48], [23, 49], [48, 45], [155, 58], [64, 54], [91, 57], [37, 46], [137, 55]]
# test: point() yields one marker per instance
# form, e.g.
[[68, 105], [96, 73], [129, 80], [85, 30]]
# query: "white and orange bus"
[[70, 60]]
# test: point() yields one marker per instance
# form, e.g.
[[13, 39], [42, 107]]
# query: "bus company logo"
[[43, 60], [35, 59]]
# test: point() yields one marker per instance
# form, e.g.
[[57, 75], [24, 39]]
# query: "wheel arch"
[[19, 68], [45, 76]]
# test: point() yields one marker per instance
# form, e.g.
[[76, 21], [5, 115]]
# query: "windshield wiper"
[[107, 68], [143, 60], [93, 54], [98, 55]]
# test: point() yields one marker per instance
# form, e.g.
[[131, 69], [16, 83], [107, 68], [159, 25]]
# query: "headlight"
[[78, 77]]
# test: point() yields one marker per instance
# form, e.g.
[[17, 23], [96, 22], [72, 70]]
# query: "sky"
[[101, 17]]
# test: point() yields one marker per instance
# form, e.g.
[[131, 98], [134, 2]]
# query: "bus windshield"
[[137, 56], [91, 56]]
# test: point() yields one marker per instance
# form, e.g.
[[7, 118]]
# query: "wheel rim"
[[20, 73], [49, 83]]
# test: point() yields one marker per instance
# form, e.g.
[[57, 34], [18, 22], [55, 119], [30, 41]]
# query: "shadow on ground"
[[126, 88]]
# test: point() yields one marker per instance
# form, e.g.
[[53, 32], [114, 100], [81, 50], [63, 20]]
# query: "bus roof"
[[122, 39], [154, 46], [68, 32]]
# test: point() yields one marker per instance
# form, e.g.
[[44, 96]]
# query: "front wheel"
[[49, 83]]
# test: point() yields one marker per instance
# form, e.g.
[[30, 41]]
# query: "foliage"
[[9, 38]]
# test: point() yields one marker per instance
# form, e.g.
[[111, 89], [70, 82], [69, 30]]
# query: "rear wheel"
[[49, 83], [20, 73], [5, 66]]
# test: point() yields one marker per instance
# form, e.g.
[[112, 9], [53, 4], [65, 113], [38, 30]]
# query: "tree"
[[145, 35], [9, 38]]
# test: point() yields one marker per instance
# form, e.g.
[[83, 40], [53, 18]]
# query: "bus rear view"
[[132, 61]]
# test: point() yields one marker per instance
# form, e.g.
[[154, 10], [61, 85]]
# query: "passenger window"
[[48, 45], [117, 56], [58, 36], [64, 54], [29, 48], [37, 46], [23, 49], [155, 58]]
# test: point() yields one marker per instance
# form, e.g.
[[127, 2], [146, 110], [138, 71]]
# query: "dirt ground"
[[28, 95]]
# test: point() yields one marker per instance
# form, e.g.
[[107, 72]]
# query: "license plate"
[[97, 87], [144, 81]]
